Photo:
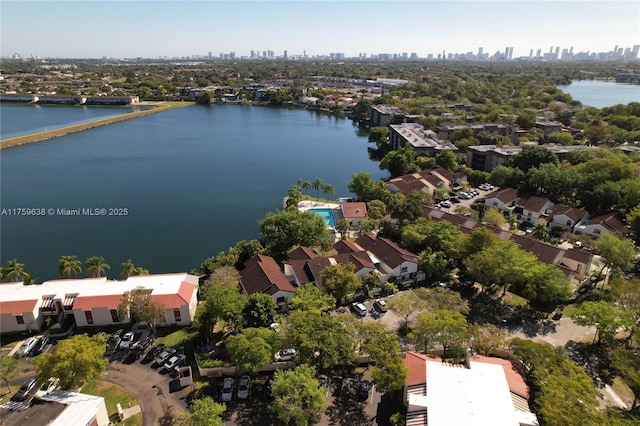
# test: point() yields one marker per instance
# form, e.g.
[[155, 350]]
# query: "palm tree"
[[540, 231], [328, 189], [316, 185], [512, 220], [14, 271], [68, 265], [95, 266], [304, 184], [128, 268], [140, 271]]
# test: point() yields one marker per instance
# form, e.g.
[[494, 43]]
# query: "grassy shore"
[[62, 131]]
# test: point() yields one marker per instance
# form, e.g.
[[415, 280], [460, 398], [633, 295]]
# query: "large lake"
[[195, 180], [600, 94]]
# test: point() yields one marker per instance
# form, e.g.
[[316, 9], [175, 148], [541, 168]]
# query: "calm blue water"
[[18, 120], [327, 215], [195, 180], [602, 94]]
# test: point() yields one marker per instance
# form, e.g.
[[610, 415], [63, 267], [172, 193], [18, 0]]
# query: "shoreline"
[[75, 128]]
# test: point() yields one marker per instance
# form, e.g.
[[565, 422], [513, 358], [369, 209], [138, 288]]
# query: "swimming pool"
[[327, 215]]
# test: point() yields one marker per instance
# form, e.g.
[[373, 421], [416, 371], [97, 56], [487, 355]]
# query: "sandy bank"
[[62, 131]]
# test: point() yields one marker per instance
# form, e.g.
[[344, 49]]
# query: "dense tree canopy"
[[298, 397]]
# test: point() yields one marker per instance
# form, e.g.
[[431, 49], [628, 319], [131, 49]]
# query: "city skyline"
[[169, 29]]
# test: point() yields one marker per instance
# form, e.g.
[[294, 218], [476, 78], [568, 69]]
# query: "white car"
[[243, 387], [227, 390], [47, 387], [175, 361], [26, 346], [127, 340], [445, 204], [285, 355]]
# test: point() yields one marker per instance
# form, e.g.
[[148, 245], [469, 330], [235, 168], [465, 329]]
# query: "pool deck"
[[309, 204]]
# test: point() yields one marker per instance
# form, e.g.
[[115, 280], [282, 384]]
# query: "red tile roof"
[[302, 253], [611, 221], [573, 213], [354, 210], [506, 195], [417, 368], [17, 307], [343, 246], [533, 203], [86, 303], [386, 250], [183, 297]]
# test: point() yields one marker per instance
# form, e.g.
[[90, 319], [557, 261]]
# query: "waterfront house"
[[261, 274], [94, 301]]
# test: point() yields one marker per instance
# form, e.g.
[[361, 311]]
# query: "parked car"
[[26, 346], [446, 204], [359, 309], [380, 306], [47, 387], [214, 390], [455, 200], [114, 339], [41, 343], [323, 380], [25, 390], [363, 390], [244, 387], [135, 353], [285, 355], [154, 352], [164, 356], [127, 340], [175, 361], [227, 389]]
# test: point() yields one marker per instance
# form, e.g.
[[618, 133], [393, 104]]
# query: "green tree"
[[320, 340], [128, 269], [74, 360], [224, 275], [606, 317], [281, 231], [95, 266], [627, 364], [294, 196], [316, 185], [377, 210], [9, 368], [310, 298], [532, 156], [328, 189], [447, 159], [596, 134], [388, 369], [487, 338], [506, 177], [260, 310], [540, 231], [303, 184], [343, 227], [252, 349], [224, 302], [406, 208], [400, 162], [137, 304], [69, 265], [204, 412], [626, 294], [379, 135], [406, 305], [493, 216], [340, 280], [445, 328], [14, 271], [298, 398], [617, 253]]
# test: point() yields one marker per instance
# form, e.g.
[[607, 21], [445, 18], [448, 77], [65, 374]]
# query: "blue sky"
[[151, 29]]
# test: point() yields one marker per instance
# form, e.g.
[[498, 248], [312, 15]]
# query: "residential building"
[[390, 259], [503, 199], [384, 115], [354, 213], [548, 126], [261, 274], [567, 217], [63, 408], [426, 181], [602, 224], [483, 391], [488, 157], [533, 209], [94, 301], [424, 142]]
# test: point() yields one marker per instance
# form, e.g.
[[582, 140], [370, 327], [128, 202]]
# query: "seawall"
[[74, 128]]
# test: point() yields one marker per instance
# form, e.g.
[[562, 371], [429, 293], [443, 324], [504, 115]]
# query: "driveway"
[[157, 401]]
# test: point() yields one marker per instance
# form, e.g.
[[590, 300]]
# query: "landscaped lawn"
[[175, 338], [114, 394]]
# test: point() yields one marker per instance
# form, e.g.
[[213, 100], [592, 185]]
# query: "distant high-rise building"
[[480, 50], [531, 54], [285, 55], [571, 50], [538, 53]]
